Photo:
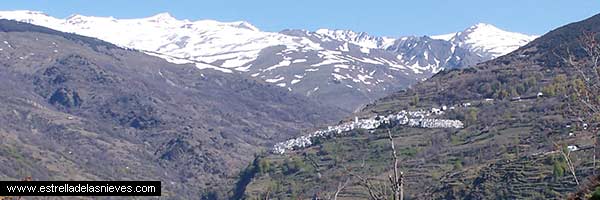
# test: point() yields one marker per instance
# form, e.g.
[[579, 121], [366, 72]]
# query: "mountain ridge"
[[310, 63]]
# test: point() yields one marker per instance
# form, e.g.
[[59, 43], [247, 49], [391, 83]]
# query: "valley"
[[225, 110]]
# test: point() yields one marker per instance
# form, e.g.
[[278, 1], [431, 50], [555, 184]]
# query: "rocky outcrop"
[[65, 97]]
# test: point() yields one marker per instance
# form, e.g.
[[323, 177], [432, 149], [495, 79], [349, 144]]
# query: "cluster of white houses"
[[404, 118]]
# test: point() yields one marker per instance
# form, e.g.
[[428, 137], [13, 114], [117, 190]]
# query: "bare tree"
[[566, 154], [586, 87], [396, 181], [376, 191], [268, 194], [592, 48], [341, 186], [379, 191]]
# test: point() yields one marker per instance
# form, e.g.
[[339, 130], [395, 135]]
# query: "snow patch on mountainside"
[[209, 41], [361, 39], [446, 37]]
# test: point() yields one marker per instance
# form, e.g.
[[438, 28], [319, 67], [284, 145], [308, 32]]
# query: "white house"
[[573, 147]]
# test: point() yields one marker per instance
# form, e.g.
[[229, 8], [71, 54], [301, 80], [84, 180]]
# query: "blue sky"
[[378, 17]]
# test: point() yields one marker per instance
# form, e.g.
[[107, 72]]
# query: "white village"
[[421, 119]]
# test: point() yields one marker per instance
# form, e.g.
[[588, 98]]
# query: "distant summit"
[[487, 40]]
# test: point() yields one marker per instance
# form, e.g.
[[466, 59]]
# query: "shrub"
[[415, 100], [408, 151], [595, 194], [471, 117], [549, 90], [292, 166], [264, 166], [457, 164]]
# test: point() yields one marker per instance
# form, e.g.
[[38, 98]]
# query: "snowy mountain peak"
[[338, 34], [482, 25], [362, 39], [245, 25], [161, 17], [487, 40]]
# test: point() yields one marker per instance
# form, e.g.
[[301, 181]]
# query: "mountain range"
[[78, 108], [477, 114], [343, 68]]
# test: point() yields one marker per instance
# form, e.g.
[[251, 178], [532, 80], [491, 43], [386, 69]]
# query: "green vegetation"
[[558, 86], [596, 194], [502, 94], [549, 90], [503, 88], [558, 169], [471, 116], [291, 166], [408, 151], [457, 165], [264, 166], [415, 100], [531, 82]]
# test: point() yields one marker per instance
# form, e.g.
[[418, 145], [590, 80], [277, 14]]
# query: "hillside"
[[516, 109], [78, 108]]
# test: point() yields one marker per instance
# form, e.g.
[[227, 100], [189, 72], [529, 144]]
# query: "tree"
[[292, 166], [531, 82], [396, 180], [513, 92], [595, 194], [558, 169], [566, 155], [471, 117], [521, 89], [341, 186], [485, 89], [549, 90], [586, 86], [457, 164], [502, 94], [415, 100], [560, 83], [264, 166]]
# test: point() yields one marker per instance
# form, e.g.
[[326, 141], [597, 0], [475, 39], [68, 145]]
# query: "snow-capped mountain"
[[487, 40], [339, 67]]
